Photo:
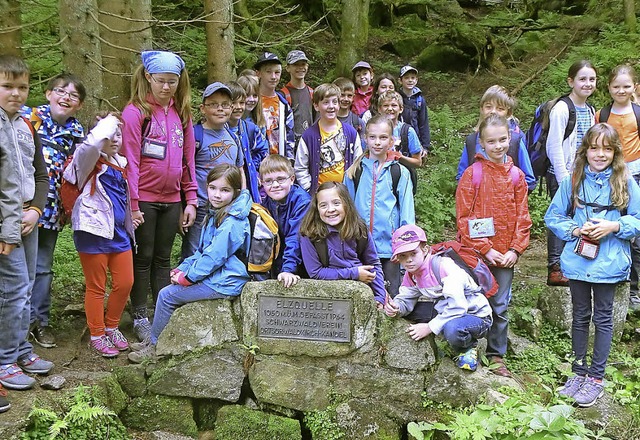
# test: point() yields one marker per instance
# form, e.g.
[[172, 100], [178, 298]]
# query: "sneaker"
[[468, 360], [4, 402], [32, 363], [634, 303], [571, 386], [148, 354], [13, 378], [104, 347], [43, 336], [556, 277], [142, 329], [498, 367], [118, 340], [137, 346], [589, 392]]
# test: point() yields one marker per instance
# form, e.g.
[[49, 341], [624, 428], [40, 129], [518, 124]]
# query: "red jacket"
[[361, 101], [498, 198]]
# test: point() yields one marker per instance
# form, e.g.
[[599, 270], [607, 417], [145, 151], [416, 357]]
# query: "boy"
[[328, 147], [464, 314], [214, 145], [254, 144], [345, 115], [23, 156], [287, 203], [415, 111], [59, 133], [362, 78], [297, 93], [277, 112]]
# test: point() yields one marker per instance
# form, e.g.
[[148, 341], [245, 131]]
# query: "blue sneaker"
[[31, 363], [468, 360], [589, 392], [12, 378], [571, 386]]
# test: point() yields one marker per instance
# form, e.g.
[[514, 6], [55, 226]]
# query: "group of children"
[[340, 191]]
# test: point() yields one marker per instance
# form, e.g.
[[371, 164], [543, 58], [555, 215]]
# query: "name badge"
[[481, 227], [154, 149]]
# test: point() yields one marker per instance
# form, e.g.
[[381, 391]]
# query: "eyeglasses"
[[217, 105], [172, 83], [280, 180], [74, 97]]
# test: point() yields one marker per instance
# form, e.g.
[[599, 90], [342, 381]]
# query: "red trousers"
[[95, 268]]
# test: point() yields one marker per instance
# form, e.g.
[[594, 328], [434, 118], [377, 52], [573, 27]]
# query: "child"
[[621, 115], [561, 152], [333, 231], [214, 145], [297, 93], [598, 204], [215, 271], [287, 203], [157, 140], [383, 207], [362, 78], [277, 112], [415, 111], [23, 186], [464, 314], [102, 231], [345, 115], [383, 83], [493, 218], [253, 104], [59, 132], [254, 144], [328, 147], [496, 100]]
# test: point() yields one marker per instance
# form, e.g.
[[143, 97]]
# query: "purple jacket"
[[343, 261]]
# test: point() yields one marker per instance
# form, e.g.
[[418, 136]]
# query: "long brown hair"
[[353, 227], [231, 174], [140, 89], [618, 181]]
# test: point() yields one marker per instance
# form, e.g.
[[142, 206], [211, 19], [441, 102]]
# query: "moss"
[[153, 412], [132, 379], [109, 392], [237, 422]]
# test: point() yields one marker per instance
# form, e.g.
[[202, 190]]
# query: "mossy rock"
[[153, 412], [238, 422], [132, 379], [109, 392], [443, 59]]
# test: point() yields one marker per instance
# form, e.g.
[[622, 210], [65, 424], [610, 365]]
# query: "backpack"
[[404, 149], [265, 242], [322, 249], [396, 172], [512, 152], [536, 137], [606, 111]]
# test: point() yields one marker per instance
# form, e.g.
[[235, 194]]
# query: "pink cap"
[[407, 238]]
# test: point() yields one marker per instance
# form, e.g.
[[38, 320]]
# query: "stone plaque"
[[314, 319]]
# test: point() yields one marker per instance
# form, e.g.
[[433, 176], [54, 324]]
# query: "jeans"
[[581, 297], [463, 333], [392, 276], [41, 293], [191, 239], [174, 296], [152, 262], [555, 245], [497, 336], [17, 273]]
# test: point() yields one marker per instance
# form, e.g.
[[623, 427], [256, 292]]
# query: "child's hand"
[[6, 248], [138, 218], [510, 259], [598, 228], [494, 257], [188, 217], [390, 308], [106, 127], [419, 331], [366, 274], [175, 275], [30, 219], [288, 279]]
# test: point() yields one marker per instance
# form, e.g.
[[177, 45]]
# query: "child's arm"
[[292, 255], [558, 119], [629, 225], [131, 149], [370, 258], [259, 145], [557, 217], [415, 151], [520, 240], [423, 127], [454, 303], [88, 152], [404, 302], [10, 193], [406, 202], [290, 140], [301, 167], [463, 164], [32, 214], [188, 183], [525, 163]]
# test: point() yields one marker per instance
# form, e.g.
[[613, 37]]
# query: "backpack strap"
[[476, 176], [515, 176], [287, 94], [571, 123], [198, 134], [322, 249], [604, 113], [514, 149], [361, 246], [404, 138], [356, 178], [636, 112], [436, 262], [396, 172], [146, 122], [470, 147]]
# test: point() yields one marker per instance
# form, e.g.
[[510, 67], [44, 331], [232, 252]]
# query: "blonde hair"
[[390, 95], [375, 120], [500, 96], [274, 163], [251, 85], [619, 179], [326, 90]]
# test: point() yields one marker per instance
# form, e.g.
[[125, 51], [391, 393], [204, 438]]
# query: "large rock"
[[400, 351], [360, 420], [298, 299], [160, 413], [132, 379], [236, 422], [613, 419]]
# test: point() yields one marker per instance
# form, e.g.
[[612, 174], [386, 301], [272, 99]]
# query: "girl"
[[215, 271], [362, 78], [159, 145], [493, 218], [335, 242], [623, 115], [103, 229], [385, 205], [253, 103], [561, 151], [596, 213], [384, 82]]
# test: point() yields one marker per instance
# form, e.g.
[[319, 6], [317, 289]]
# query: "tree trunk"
[[122, 60], [354, 35], [10, 28], [630, 15], [221, 61], [81, 54]]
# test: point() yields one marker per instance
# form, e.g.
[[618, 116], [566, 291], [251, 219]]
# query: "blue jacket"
[[377, 204], [416, 114], [255, 149], [289, 215], [613, 262], [215, 262]]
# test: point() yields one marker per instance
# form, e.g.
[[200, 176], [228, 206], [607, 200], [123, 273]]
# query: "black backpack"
[[404, 149], [606, 111], [395, 171], [470, 148]]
